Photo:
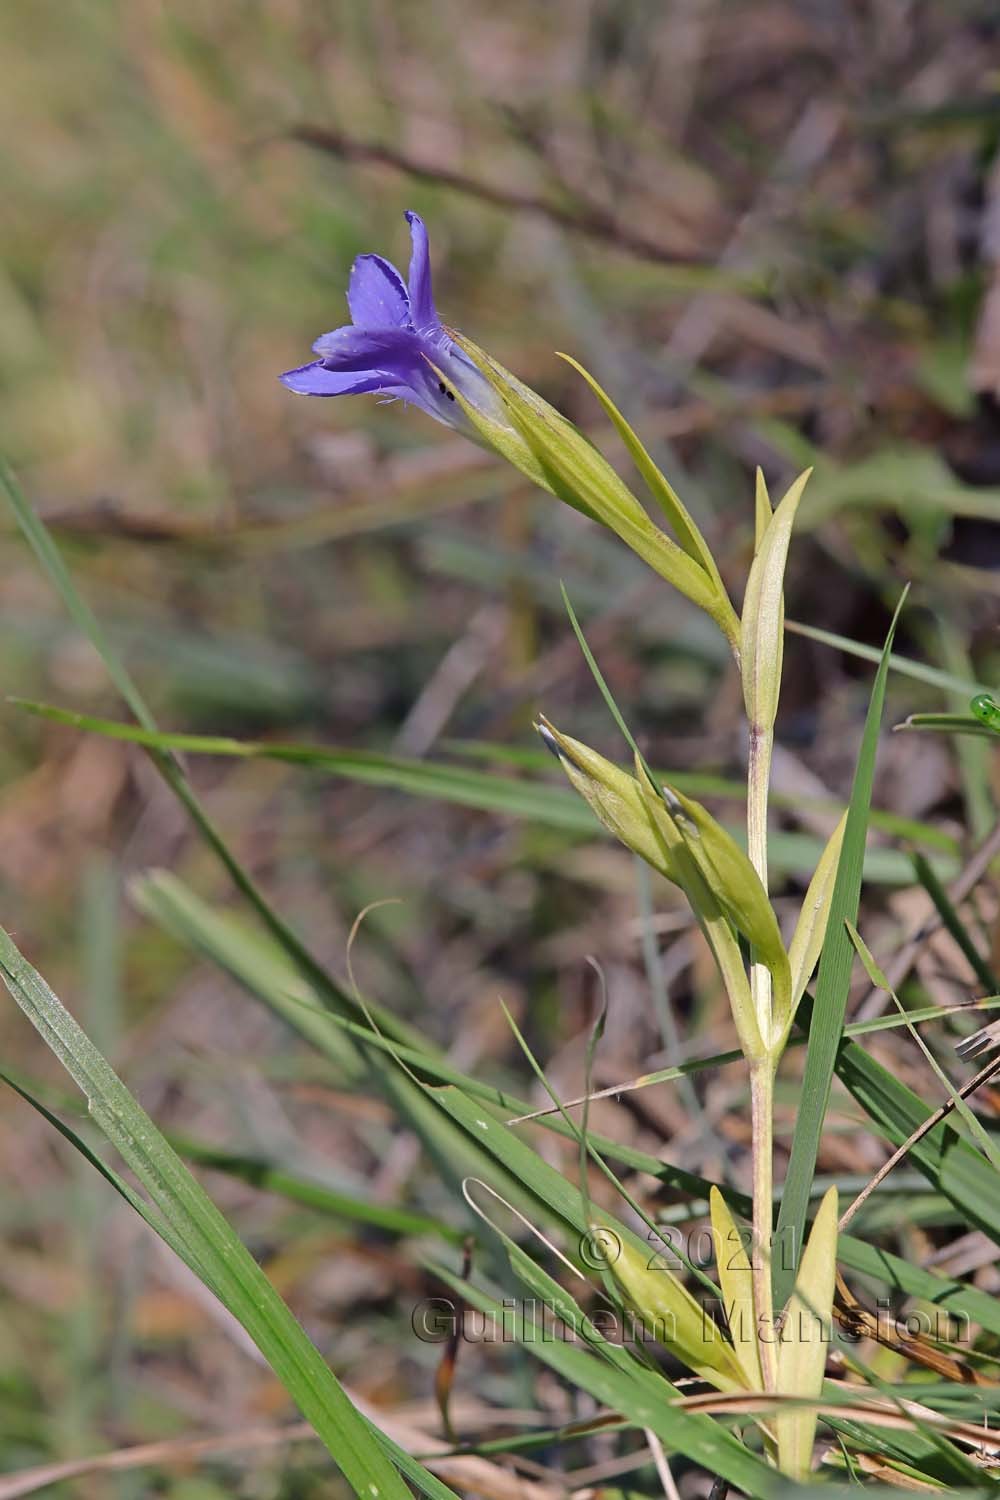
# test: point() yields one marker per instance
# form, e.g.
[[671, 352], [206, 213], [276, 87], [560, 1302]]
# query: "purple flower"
[[396, 344]]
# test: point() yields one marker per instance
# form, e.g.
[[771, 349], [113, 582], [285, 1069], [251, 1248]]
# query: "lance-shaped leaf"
[[762, 628], [662, 491], [715, 925], [554, 453], [805, 1340], [670, 1314], [732, 879], [736, 1280], [762, 510], [810, 930]]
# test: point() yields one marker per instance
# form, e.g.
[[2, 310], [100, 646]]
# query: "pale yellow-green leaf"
[[571, 466], [691, 876], [735, 1275], [762, 509], [614, 797], [762, 628], [633, 812], [544, 445], [669, 1314], [662, 491], [805, 1341], [735, 884], [810, 929]]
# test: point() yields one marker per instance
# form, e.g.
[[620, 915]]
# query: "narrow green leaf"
[[558, 1302], [426, 1482], [946, 724], [334, 994], [953, 923], [960, 1300], [588, 1151], [252, 958], [642, 1398], [599, 678], [199, 1232], [662, 491], [832, 988], [876, 975], [946, 1159], [48, 555], [576, 472], [901, 664], [152, 1216], [538, 802], [268, 973], [274, 1177], [878, 978]]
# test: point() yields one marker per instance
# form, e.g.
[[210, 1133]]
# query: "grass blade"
[[953, 923], [918, 670], [202, 1236], [538, 801], [48, 555], [832, 987], [947, 724], [298, 1187], [879, 979], [389, 1066], [641, 1397], [659, 487], [948, 1161]]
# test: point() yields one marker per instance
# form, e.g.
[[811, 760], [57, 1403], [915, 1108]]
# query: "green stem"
[[762, 1114], [762, 1070], [758, 783]]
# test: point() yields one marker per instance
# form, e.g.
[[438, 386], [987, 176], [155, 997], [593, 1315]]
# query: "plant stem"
[[758, 784], [762, 1070], [762, 1115]]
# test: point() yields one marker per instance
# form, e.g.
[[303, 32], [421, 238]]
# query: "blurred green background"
[[772, 231]]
